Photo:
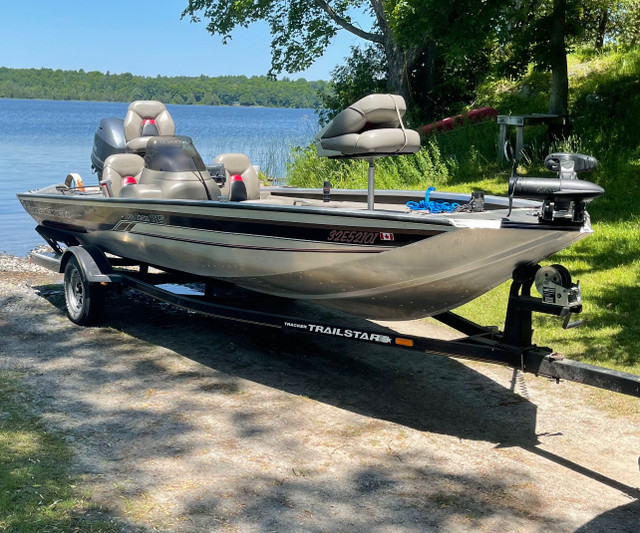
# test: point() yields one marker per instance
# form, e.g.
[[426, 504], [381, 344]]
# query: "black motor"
[[564, 195], [109, 139], [569, 165]]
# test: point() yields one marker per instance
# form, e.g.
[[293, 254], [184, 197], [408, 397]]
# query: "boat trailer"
[[88, 272]]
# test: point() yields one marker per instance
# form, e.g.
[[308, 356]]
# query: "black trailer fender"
[[94, 264]]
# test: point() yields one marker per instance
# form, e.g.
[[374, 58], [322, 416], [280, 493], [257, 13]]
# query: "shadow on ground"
[[423, 392], [624, 518]]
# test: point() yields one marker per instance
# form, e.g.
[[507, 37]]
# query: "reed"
[[418, 171]]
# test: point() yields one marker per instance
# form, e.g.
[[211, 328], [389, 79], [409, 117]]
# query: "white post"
[[371, 185]]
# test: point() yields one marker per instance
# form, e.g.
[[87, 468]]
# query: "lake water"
[[42, 141]]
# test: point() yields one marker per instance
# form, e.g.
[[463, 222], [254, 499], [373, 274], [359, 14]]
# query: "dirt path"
[[184, 423]]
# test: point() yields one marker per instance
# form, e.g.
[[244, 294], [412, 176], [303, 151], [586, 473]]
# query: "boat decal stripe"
[[337, 250], [306, 232]]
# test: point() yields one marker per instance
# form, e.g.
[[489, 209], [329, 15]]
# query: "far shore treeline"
[[49, 84]]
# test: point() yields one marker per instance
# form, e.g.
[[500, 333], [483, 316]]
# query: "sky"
[[143, 37]]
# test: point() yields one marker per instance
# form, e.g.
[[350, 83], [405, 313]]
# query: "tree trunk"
[[399, 60], [558, 102], [397, 79], [602, 28]]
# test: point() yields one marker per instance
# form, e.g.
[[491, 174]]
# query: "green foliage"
[[361, 74], [418, 171], [624, 26], [610, 20], [445, 58], [309, 170], [530, 94], [527, 34], [223, 90], [445, 160], [300, 30], [470, 151]]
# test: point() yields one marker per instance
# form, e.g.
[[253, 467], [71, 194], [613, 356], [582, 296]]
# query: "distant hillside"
[[95, 86]]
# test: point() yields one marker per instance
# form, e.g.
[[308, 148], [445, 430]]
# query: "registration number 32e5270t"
[[353, 237]]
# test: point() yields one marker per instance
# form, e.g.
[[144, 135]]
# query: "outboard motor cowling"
[[108, 140]]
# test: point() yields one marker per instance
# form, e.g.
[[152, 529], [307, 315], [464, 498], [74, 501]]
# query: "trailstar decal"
[[341, 332]]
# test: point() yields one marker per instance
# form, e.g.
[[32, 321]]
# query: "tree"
[[302, 30], [559, 98], [596, 16], [624, 22], [362, 73], [541, 32], [613, 21], [457, 40]]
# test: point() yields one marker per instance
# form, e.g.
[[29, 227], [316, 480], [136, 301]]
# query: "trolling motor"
[[565, 196]]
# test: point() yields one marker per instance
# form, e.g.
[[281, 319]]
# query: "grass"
[[37, 492], [409, 172], [604, 106]]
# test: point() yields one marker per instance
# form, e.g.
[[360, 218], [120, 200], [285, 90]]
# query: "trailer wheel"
[[84, 300]]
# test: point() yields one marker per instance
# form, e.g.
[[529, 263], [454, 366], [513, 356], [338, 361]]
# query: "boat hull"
[[376, 264]]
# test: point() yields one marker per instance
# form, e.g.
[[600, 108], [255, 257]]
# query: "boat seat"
[[146, 119], [372, 127], [173, 169], [119, 169], [242, 181]]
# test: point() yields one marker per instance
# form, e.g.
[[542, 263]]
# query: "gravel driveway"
[[181, 422]]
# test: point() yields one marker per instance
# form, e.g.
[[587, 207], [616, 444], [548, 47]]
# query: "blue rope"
[[432, 206]]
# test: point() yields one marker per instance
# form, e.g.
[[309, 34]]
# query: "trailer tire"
[[84, 300]]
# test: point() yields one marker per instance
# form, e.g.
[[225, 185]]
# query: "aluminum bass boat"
[[392, 255]]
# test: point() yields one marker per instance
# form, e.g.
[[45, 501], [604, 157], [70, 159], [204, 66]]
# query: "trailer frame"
[[512, 347]]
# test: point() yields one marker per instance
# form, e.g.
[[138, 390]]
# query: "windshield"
[[172, 154]]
